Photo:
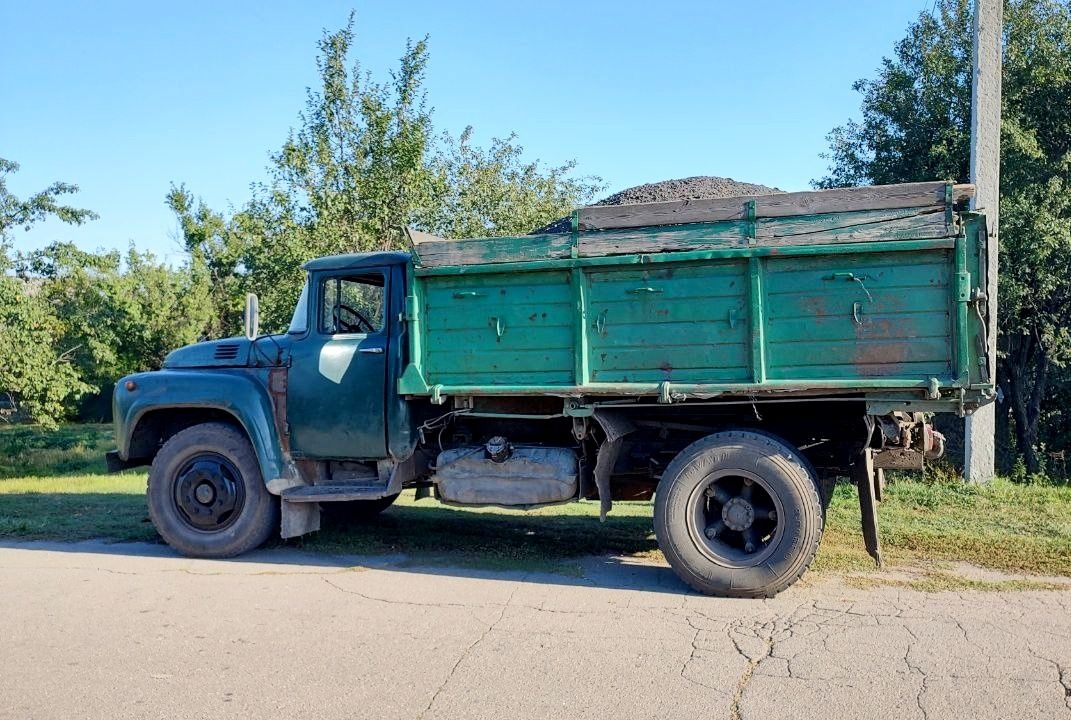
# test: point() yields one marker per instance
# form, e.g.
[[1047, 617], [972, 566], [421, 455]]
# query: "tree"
[[476, 192], [361, 165], [119, 314], [36, 374], [39, 206], [916, 126], [353, 171]]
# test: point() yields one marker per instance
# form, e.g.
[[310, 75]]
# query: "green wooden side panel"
[[499, 329], [684, 323], [864, 315], [874, 314]]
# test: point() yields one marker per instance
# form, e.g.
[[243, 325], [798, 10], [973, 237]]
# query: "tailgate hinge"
[[963, 287]]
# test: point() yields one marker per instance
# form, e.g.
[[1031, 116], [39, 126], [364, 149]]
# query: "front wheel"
[[737, 514], [206, 495]]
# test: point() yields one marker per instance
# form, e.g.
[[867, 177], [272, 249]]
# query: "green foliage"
[[916, 113], [361, 165], [916, 126], [353, 171], [37, 379], [39, 206], [496, 192], [36, 373], [70, 449], [118, 314]]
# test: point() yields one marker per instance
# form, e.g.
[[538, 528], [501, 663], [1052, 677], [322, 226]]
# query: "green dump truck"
[[730, 358]]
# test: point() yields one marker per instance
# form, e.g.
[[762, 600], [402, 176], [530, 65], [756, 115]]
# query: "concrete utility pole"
[[980, 433]]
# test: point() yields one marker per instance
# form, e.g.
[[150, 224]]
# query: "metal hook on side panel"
[[857, 312]]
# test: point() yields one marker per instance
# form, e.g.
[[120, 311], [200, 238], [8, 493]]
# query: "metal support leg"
[[864, 477]]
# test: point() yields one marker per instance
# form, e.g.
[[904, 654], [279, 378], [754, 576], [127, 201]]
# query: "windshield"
[[300, 322]]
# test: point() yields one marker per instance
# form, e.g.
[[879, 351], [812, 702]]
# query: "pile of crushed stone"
[[700, 187]]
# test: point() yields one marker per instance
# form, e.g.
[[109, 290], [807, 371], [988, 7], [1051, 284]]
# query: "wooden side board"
[[871, 226], [818, 202], [439, 252], [830, 229], [863, 214]]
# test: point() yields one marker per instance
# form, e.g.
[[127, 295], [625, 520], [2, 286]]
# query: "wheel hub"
[[735, 519], [738, 514], [204, 494], [208, 493]]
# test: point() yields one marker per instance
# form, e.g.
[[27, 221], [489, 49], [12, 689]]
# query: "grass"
[[53, 487]]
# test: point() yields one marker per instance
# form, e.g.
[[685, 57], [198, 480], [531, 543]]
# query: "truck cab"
[[316, 401], [346, 346]]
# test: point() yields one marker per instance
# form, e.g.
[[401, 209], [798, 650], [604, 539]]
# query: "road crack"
[[466, 652], [765, 633], [691, 657], [386, 601]]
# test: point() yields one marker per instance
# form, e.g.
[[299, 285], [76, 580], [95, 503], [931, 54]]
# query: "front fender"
[[240, 393]]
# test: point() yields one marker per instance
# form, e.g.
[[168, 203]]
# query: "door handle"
[[371, 350]]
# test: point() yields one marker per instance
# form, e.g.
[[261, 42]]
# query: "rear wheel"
[[738, 514], [206, 495]]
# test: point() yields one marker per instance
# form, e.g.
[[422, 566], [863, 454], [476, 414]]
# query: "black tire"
[[235, 515], [781, 549]]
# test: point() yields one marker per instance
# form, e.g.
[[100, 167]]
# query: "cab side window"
[[352, 304]]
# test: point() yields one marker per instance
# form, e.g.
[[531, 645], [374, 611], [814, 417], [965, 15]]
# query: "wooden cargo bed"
[[847, 290]]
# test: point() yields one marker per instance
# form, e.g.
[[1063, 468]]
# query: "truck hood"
[[229, 352]]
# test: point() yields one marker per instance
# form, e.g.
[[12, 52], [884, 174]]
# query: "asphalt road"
[[95, 631]]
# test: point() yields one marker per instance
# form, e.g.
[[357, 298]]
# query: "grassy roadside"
[[53, 487]]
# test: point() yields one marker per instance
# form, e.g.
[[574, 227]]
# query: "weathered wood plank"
[[416, 237], [867, 225], [877, 197], [437, 253], [771, 232]]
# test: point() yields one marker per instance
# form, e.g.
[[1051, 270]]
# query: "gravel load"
[[693, 188]]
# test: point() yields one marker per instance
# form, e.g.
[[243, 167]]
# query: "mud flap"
[[616, 426], [299, 518], [864, 476]]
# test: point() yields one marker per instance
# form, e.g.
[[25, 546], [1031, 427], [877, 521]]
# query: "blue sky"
[[124, 98]]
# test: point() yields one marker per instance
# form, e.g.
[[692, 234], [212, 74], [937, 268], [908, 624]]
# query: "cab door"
[[338, 372]]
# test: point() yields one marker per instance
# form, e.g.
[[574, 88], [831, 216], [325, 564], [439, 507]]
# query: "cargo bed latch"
[[850, 277]]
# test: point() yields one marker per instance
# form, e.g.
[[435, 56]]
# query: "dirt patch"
[[951, 577], [701, 187]]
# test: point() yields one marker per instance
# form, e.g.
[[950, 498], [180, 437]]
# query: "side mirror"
[[252, 316]]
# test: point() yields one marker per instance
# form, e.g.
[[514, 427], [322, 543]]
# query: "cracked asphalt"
[[131, 631]]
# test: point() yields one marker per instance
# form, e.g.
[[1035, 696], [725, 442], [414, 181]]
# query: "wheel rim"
[[736, 519], [208, 493]]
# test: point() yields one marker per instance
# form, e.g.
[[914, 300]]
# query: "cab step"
[[342, 492]]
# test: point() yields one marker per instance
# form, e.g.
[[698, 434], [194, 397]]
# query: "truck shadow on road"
[[565, 546]]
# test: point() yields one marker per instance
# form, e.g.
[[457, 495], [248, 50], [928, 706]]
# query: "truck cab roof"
[[358, 260]]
